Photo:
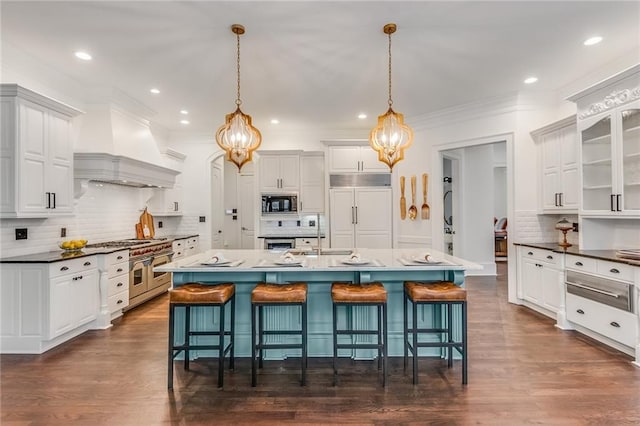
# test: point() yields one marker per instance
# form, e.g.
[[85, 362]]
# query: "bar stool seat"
[[437, 294], [270, 294], [202, 295], [350, 295]]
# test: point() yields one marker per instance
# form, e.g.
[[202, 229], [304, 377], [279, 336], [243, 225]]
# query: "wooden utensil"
[[403, 201], [413, 210], [425, 207], [146, 222], [139, 234]]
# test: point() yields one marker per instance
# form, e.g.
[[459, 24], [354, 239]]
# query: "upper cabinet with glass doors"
[[609, 128]]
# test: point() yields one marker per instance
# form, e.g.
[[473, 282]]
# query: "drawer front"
[[580, 263], [118, 284], [118, 269], [177, 254], [179, 245], [117, 257], [118, 301], [615, 270], [610, 322], [192, 241], [543, 255], [73, 266]]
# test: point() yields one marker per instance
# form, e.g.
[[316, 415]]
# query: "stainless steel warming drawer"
[[609, 292]]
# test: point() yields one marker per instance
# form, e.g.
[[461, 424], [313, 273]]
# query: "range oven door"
[[279, 244], [158, 279], [138, 276]]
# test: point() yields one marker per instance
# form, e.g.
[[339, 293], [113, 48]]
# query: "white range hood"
[[118, 147]]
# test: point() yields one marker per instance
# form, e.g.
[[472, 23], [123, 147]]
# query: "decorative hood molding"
[[104, 167]]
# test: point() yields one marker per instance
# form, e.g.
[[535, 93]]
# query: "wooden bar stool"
[[196, 294], [441, 293], [350, 295], [266, 294]]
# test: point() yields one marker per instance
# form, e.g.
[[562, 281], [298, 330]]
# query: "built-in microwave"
[[277, 204]]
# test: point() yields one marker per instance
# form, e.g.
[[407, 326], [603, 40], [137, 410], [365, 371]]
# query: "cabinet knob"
[[530, 253], [119, 285], [119, 257], [550, 257], [119, 301], [615, 324], [119, 270], [614, 271], [64, 268], [87, 263], [580, 311], [579, 264]]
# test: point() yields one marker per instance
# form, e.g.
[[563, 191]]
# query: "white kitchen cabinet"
[[609, 128], [541, 279], [46, 304], [168, 201], [36, 155], [355, 159], [559, 166], [360, 217], [184, 247], [279, 172], [312, 183]]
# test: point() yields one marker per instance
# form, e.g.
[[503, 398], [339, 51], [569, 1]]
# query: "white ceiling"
[[319, 63]]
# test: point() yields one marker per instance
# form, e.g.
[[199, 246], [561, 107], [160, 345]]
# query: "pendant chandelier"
[[391, 136], [237, 137]]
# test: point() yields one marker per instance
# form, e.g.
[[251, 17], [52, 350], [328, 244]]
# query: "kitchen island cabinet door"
[[74, 301]]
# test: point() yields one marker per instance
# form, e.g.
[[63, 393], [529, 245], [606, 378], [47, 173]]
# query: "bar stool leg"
[[171, 343], [405, 336], [335, 343], [414, 350], [385, 349], [450, 334], [464, 343], [304, 344], [221, 349], [253, 345], [187, 337], [260, 335], [379, 336], [233, 333]]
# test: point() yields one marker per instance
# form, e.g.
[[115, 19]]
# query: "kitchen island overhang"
[[390, 266]]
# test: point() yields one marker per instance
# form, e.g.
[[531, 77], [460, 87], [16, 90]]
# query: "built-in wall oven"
[[279, 243], [609, 292]]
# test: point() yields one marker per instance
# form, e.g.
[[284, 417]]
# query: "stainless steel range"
[[143, 256]]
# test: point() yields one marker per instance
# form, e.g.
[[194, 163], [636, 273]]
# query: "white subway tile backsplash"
[[531, 227]]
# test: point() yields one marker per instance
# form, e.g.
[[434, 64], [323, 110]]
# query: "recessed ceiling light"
[[184, 121], [362, 116], [83, 55], [154, 91], [531, 80], [184, 112], [592, 40], [275, 121]]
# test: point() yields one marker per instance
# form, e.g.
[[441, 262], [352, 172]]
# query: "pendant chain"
[[238, 101], [390, 101]]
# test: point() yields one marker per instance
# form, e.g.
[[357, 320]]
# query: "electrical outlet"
[[21, 233], [63, 232], [201, 219], [160, 224], [298, 223], [279, 223], [575, 227], [312, 223]]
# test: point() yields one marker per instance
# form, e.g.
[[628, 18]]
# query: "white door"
[[60, 159], [33, 161], [370, 162], [373, 217], [289, 173], [217, 204], [269, 171], [342, 217], [246, 211]]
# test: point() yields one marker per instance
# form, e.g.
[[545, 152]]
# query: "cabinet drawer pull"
[[87, 263], [614, 271], [119, 270], [119, 285], [119, 301], [64, 268], [580, 311], [530, 253], [80, 277], [550, 257], [119, 257], [613, 199], [579, 264], [615, 324]]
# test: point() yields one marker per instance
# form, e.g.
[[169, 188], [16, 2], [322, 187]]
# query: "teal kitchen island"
[[245, 268]]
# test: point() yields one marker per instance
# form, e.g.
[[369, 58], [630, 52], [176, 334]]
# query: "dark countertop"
[[59, 255], [276, 236], [609, 255], [177, 236]]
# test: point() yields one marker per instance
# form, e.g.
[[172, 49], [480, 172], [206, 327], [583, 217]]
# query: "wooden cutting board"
[[146, 223]]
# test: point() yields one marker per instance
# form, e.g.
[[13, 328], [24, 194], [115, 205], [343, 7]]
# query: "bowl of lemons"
[[73, 245]]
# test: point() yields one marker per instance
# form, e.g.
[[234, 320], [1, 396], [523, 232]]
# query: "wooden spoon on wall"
[[425, 207], [413, 210], [403, 201]]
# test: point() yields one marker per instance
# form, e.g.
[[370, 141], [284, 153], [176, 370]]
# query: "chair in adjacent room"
[[198, 295], [438, 295], [267, 295], [350, 295]]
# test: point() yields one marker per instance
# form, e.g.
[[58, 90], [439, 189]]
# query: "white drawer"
[[543, 255], [73, 266], [613, 323], [179, 244], [177, 254], [615, 270], [118, 301], [118, 269], [192, 241], [118, 284], [580, 263], [117, 257]]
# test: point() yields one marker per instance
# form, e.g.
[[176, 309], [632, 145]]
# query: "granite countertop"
[[609, 255], [178, 236], [59, 255]]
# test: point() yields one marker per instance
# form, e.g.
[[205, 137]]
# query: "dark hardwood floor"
[[522, 370]]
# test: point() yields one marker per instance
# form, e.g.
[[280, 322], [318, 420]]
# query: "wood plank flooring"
[[522, 370]]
